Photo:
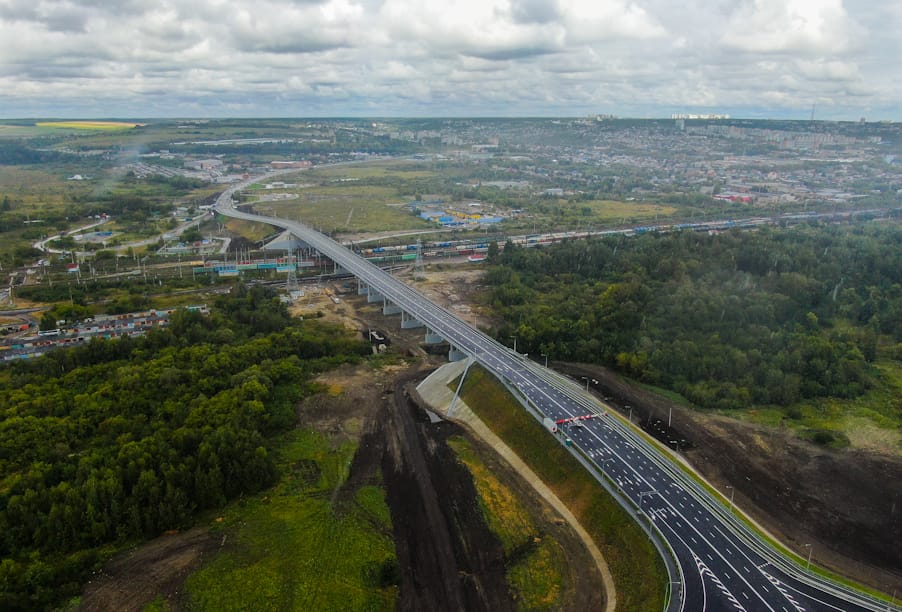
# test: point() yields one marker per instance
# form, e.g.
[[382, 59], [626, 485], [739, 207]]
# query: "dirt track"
[[131, 581], [449, 559]]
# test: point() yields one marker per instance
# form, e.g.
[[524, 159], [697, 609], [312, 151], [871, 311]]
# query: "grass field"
[[639, 574], [249, 229], [288, 549], [36, 187], [537, 573], [347, 208], [401, 169], [611, 210], [870, 422]]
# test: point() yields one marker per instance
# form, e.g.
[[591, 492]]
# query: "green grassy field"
[[37, 187], [288, 549], [537, 572], [639, 575], [249, 229], [613, 211], [348, 208], [868, 422], [401, 169]]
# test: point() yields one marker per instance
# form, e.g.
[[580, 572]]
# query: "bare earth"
[[448, 558], [847, 504], [131, 581]]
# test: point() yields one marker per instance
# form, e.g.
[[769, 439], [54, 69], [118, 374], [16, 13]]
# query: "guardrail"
[[461, 333]]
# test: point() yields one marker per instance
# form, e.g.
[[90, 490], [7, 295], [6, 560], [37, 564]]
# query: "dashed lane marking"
[[783, 591], [703, 570]]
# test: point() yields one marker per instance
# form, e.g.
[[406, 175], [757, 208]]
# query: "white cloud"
[[392, 57], [810, 27]]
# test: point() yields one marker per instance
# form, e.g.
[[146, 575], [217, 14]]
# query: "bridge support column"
[[373, 296], [390, 309], [408, 322], [432, 337], [362, 288], [455, 354]]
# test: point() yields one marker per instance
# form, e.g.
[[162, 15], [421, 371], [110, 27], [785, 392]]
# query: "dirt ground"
[[131, 581], [448, 558], [846, 504]]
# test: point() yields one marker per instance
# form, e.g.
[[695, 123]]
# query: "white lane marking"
[[705, 571], [783, 590]]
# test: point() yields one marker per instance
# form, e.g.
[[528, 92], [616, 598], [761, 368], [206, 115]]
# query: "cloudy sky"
[[639, 58]]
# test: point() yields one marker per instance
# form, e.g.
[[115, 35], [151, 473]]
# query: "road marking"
[[703, 570], [783, 591]]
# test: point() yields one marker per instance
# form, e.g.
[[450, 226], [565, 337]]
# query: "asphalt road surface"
[[718, 563]]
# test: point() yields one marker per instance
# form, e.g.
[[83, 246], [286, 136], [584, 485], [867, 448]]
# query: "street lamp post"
[[546, 359], [642, 497], [808, 565], [732, 491], [515, 343]]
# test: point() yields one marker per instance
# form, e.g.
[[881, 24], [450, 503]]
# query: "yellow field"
[[88, 125]]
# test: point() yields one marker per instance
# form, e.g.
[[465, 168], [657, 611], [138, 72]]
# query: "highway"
[[720, 564]]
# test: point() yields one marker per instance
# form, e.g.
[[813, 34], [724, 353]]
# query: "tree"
[[492, 252]]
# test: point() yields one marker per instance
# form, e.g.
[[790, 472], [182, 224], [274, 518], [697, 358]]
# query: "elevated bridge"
[[715, 561]]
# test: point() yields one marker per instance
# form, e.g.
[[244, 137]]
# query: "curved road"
[[722, 565]]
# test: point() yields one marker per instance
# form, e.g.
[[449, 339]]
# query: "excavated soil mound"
[[846, 503]]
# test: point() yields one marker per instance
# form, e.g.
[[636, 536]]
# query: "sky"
[[439, 58]]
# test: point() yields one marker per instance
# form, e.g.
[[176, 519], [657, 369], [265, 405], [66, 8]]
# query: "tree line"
[[773, 316], [122, 440]]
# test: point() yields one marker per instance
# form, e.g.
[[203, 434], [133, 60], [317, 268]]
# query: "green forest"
[[770, 317], [121, 440]]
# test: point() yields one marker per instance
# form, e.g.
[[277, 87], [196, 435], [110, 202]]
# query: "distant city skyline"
[[775, 59]]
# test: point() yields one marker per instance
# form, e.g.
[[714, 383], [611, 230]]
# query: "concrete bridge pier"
[[455, 354], [373, 296], [432, 337], [408, 322], [362, 288], [390, 309]]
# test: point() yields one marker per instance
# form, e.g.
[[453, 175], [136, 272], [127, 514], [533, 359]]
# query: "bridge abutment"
[[455, 354]]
